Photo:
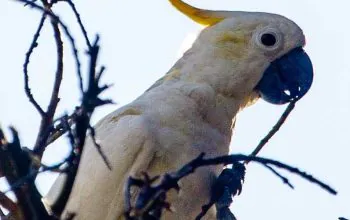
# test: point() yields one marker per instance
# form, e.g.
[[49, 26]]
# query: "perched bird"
[[237, 58]]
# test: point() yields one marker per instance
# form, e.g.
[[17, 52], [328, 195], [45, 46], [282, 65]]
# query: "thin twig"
[[20, 166], [45, 127], [239, 157], [32, 46], [15, 164], [47, 119], [274, 129], [284, 179], [149, 194], [59, 130], [77, 15], [67, 33], [77, 136], [99, 148], [45, 3], [59, 71], [43, 168]]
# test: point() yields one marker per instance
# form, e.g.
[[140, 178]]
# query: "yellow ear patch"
[[236, 37], [241, 35], [232, 44]]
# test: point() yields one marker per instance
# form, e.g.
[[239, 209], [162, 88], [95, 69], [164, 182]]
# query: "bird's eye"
[[268, 39]]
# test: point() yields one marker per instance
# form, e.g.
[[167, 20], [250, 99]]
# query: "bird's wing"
[[127, 142]]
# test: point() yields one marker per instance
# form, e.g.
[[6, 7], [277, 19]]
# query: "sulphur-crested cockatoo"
[[237, 58]]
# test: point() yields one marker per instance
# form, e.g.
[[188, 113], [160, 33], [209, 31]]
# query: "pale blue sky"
[[140, 41]]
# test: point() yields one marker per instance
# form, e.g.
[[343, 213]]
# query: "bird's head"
[[259, 53]]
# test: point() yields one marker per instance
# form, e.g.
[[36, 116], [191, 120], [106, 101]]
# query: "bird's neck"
[[210, 80], [215, 106]]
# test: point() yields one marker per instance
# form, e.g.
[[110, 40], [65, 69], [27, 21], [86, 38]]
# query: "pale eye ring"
[[268, 39]]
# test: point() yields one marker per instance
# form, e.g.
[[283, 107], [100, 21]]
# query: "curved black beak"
[[287, 78]]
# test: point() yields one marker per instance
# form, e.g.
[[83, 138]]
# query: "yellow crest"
[[201, 16]]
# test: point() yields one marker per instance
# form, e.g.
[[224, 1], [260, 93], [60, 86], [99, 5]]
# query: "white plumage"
[[190, 110]]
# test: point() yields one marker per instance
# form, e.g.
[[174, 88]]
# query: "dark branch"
[[77, 15], [284, 179], [19, 165], [32, 46], [77, 135], [155, 194], [99, 149], [15, 164], [47, 119], [232, 158], [66, 32], [274, 129]]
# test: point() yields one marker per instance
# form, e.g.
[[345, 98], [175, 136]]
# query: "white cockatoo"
[[237, 58]]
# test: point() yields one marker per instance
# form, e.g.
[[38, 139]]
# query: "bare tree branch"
[[66, 32], [284, 179], [20, 166], [47, 119], [82, 124], [15, 164], [274, 129], [99, 148], [151, 195], [77, 15], [33, 45]]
